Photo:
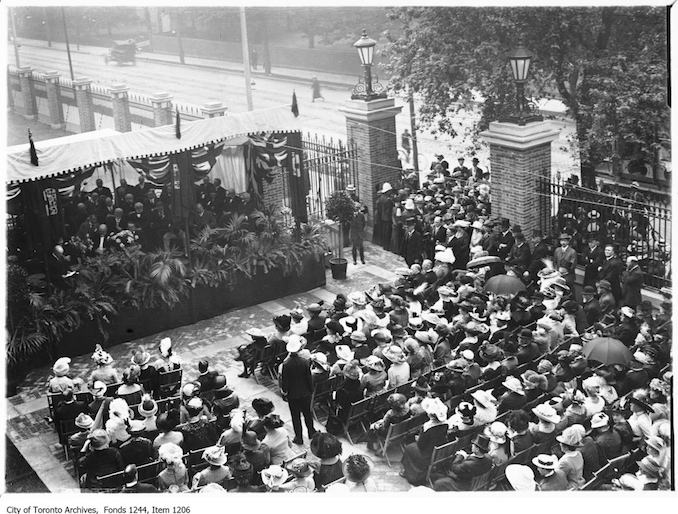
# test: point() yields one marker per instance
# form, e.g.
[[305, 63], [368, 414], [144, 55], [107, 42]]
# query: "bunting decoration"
[[33, 153]]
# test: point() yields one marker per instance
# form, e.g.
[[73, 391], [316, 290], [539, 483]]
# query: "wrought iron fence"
[[331, 166], [638, 222]]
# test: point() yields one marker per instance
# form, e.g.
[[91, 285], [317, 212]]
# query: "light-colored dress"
[[278, 440]]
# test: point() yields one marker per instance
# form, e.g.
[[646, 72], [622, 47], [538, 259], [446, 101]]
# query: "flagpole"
[[246, 58]]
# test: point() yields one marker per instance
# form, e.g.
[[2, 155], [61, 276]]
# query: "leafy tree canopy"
[[607, 64]]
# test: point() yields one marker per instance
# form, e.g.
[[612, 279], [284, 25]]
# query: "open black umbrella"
[[504, 285], [607, 350]]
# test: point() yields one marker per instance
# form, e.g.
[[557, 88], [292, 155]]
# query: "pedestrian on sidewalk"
[[254, 59], [315, 87]]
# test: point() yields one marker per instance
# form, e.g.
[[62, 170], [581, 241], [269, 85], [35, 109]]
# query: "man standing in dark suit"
[[296, 385], [611, 270], [102, 191], [386, 215], [412, 244], [139, 191], [519, 255], [121, 191], [592, 258], [506, 239], [632, 283], [105, 210]]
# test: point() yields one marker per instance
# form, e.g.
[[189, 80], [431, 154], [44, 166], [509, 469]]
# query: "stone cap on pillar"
[[161, 100], [82, 83], [24, 71], [118, 90], [52, 76], [372, 110], [213, 109], [520, 137]]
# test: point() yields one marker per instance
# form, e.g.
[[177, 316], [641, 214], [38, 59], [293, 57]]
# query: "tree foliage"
[[607, 64]]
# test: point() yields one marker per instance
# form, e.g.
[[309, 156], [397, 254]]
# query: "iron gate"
[[331, 166], [639, 222]]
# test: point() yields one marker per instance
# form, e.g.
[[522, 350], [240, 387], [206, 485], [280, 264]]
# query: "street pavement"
[[201, 81], [215, 339]]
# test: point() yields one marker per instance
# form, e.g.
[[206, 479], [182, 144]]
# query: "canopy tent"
[[77, 153]]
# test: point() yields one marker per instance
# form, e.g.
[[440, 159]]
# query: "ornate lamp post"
[[367, 90], [520, 60]]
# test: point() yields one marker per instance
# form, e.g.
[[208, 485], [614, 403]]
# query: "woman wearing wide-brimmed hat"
[[399, 370], [175, 475], [100, 459], [572, 462], [351, 389], [302, 477], [374, 381], [417, 455], [277, 439], [497, 433], [548, 418], [217, 472]]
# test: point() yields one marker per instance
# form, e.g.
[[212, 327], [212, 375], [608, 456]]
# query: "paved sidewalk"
[[215, 339], [287, 74]]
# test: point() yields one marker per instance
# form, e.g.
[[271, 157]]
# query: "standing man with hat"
[[384, 216], [565, 259], [611, 270], [296, 385], [632, 282], [592, 258], [412, 247], [357, 234]]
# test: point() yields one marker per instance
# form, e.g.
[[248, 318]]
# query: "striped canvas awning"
[[66, 155]]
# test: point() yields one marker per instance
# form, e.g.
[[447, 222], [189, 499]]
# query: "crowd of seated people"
[[93, 217]]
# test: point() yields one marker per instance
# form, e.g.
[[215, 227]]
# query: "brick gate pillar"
[[213, 109], [520, 157], [83, 99], [28, 92], [162, 109], [122, 121], [372, 126], [56, 111]]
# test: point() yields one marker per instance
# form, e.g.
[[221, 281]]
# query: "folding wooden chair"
[[357, 414], [441, 454], [169, 382], [301, 455], [481, 482], [322, 394], [53, 400], [397, 432]]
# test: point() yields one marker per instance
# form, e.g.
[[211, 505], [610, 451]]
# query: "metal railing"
[[637, 221]]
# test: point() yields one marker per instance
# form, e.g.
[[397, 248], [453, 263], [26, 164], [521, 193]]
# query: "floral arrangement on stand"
[[80, 246]]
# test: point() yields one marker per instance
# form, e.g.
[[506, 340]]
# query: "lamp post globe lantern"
[[519, 60], [368, 90]]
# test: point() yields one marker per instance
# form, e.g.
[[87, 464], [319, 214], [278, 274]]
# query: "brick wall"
[[377, 155], [516, 187]]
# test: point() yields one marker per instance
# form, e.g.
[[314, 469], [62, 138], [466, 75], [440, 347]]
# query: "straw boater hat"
[[214, 455], [61, 366], [99, 439], [386, 187], [546, 413], [545, 461], [274, 476], [513, 384], [394, 353], [84, 421]]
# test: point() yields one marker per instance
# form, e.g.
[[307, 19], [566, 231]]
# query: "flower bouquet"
[[79, 246], [124, 239]]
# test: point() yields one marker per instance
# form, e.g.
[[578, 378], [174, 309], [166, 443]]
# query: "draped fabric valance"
[[102, 147]]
